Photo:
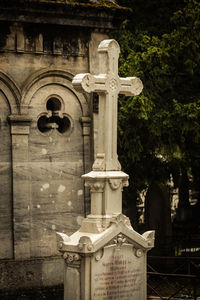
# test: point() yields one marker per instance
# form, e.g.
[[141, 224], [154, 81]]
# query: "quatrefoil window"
[[54, 118]]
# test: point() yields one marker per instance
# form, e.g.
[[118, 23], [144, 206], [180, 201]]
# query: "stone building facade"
[[46, 131]]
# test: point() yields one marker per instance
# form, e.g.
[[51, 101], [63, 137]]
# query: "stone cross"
[[106, 252], [108, 85]]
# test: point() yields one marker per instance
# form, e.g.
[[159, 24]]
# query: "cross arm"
[[130, 86], [89, 83], [83, 82]]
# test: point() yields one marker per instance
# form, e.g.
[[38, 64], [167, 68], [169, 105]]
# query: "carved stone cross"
[[108, 85], [106, 235]]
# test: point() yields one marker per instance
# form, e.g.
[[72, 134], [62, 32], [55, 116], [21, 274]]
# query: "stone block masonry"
[[45, 129]]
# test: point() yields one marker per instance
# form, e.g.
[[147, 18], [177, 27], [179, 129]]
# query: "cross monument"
[[106, 180], [108, 85], [106, 259]]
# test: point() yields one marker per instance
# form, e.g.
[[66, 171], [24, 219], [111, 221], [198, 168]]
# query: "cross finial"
[[108, 57], [108, 85]]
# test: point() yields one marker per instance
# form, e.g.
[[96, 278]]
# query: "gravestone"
[[106, 258], [158, 217]]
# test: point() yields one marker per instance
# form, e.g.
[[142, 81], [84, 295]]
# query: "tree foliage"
[[159, 130]]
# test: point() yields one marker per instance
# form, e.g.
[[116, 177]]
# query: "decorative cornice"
[[150, 236], [95, 186], [90, 14], [99, 164], [85, 244], [71, 258], [82, 3], [115, 183], [119, 240], [20, 119], [122, 219], [139, 253], [86, 124], [20, 124]]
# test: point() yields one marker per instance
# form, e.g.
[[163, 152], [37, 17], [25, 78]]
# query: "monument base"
[[106, 265]]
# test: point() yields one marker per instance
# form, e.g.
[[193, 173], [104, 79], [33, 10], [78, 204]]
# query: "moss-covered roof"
[[86, 13], [89, 3]]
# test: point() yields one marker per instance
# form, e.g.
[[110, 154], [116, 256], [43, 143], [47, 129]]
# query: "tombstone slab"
[[107, 265]]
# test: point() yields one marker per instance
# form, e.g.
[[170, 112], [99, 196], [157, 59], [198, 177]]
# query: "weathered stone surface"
[[30, 273], [106, 182], [6, 249], [56, 161], [106, 258], [45, 127], [108, 85], [117, 272], [108, 265], [89, 14]]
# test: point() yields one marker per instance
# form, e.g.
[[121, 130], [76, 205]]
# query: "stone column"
[[20, 125], [86, 126]]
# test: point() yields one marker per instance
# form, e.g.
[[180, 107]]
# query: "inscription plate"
[[118, 273]]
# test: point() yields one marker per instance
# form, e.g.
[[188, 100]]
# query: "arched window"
[[54, 118]]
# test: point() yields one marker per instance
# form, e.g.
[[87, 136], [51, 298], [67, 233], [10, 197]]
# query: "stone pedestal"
[[106, 265], [105, 259], [106, 198]]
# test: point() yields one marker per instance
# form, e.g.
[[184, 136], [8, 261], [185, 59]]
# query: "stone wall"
[[44, 151], [46, 136]]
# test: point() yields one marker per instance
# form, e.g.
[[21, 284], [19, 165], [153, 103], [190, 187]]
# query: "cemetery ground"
[[57, 293], [36, 293], [172, 287], [165, 286]]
